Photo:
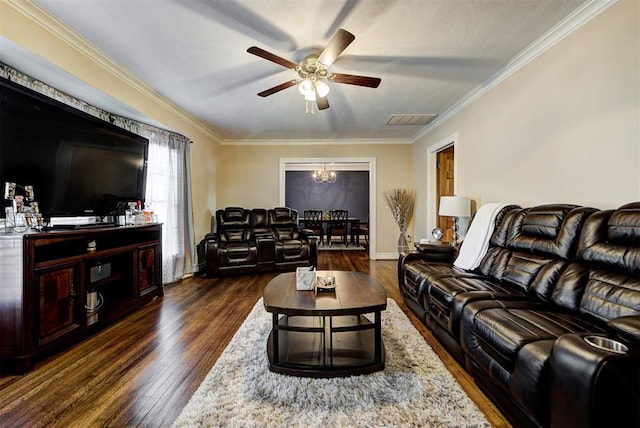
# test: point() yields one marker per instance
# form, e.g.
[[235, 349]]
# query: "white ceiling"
[[428, 53]]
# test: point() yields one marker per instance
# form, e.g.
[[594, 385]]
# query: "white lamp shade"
[[306, 87], [322, 88], [455, 206]]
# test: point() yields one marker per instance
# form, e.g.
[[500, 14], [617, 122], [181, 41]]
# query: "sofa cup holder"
[[607, 344]]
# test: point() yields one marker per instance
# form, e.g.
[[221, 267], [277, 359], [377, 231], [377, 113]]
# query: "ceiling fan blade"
[[322, 102], [271, 57], [336, 45], [347, 9], [350, 79], [278, 88]]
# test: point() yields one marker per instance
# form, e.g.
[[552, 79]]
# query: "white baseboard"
[[386, 256]]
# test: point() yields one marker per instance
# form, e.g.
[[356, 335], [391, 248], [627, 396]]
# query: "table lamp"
[[455, 207]]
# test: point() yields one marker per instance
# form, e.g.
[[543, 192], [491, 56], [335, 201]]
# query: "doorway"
[[337, 164], [445, 187], [431, 206]]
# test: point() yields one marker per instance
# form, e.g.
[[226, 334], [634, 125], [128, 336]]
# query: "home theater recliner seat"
[[417, 271], [256, 240], [291, 244], [555, 280]]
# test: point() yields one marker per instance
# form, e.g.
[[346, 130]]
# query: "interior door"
[[445, 178]]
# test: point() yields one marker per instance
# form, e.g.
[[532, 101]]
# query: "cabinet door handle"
[[72, 293]]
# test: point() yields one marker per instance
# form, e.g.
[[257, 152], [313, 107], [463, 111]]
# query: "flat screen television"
[[78, 165]]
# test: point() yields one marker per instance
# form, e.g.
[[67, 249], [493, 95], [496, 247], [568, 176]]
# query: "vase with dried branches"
[[401, 203]]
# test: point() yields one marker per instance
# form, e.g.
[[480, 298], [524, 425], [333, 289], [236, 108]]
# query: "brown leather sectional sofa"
[[256, 240], [549, 323]]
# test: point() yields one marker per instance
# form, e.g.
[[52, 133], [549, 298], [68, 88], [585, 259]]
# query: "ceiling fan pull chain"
[[309, 107]]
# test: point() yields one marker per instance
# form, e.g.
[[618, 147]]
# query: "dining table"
[[353, 224]]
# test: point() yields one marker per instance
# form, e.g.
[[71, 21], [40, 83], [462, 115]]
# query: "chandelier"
[[324, 175]]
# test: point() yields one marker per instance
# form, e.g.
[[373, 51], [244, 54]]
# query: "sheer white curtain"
[[168, 194], [168, 177]]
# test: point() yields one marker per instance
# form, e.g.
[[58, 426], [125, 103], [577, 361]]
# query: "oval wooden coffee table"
[[326, 334]]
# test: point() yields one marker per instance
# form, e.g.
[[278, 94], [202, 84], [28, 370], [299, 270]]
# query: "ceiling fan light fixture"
[[309, 88], [322, 88], [313, 72], [306, 87]]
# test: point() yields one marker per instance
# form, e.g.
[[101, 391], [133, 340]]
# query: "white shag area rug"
[[415, 389]]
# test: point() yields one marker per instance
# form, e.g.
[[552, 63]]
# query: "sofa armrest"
[[593, 386], [312, 239], [409, 256], [313, 251], [264, 235], [461, 300], [210, 254], [468, 339], [307, 234], [445, 257], [442, 253], [266, 244], [203, 253], [628, 327]]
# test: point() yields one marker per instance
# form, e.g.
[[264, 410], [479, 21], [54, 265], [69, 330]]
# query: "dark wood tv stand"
[[45, 278]]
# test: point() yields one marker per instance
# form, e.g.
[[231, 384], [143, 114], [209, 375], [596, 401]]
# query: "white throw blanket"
[[476, 241]]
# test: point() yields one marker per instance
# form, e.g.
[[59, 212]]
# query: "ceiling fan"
[[313, 71]]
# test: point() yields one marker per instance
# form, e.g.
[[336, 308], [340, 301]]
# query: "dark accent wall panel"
[[349, 192]]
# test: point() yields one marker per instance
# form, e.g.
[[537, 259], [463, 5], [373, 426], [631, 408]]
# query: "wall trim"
[[309, 142], [387, 256]]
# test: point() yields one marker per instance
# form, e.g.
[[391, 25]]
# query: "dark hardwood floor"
[[142, 370]]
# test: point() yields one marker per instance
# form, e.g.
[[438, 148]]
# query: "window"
[[168, 194]]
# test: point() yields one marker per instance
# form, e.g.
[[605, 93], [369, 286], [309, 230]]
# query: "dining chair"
[[313, 222], [362, 228], [338, 226]]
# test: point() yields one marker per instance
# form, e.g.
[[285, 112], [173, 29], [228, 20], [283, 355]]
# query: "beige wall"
[[565, 128], [204, 161], [249, 176], [35, 31]]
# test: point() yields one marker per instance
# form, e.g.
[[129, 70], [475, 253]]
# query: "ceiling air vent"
[[411, 119]]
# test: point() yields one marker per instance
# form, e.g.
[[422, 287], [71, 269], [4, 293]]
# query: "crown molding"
[[564, 28], [333, 163], [64, 33], [56, 28], [312, 142]]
